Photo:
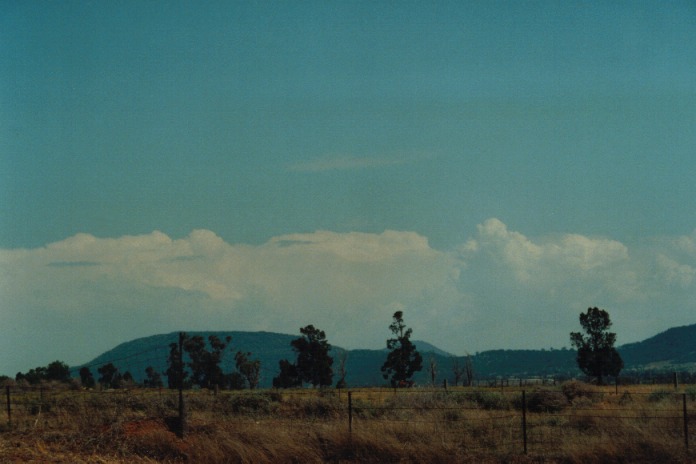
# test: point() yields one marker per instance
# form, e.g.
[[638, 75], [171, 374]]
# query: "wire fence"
[[515, 420]]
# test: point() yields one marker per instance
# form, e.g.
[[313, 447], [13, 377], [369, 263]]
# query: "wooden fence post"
[[350, 412], [686, 422], [524, 420]]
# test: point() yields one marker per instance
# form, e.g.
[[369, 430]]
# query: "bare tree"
[[249, 370], [432, 368], [342, 372], [469, 370], [457, 370]]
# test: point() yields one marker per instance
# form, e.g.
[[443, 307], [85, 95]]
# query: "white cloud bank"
[[75, 298]]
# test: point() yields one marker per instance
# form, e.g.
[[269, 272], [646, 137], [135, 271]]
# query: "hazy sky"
[[490, 168]]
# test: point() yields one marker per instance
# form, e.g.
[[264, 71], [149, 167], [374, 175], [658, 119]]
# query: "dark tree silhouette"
[[177, 376], [109, 376], [58, 371], [204, 363], [403, 360], [288, 376], [127, 379], [313, 359], [86, 378], [235, 381], [313, 363], [153, 379], [596, 355]]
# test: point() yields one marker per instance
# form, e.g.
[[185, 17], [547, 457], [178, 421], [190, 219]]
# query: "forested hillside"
[[672, 349]]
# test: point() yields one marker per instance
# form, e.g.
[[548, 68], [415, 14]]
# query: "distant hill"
[[674, 349], [136, 355], [425, 347]]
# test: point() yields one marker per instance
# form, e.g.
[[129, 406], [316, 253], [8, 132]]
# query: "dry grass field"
[[572, 423]]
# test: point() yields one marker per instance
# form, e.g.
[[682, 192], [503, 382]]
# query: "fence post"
[[686, 422], [675, 381], [9, 405], [524, 420], [350, 412]]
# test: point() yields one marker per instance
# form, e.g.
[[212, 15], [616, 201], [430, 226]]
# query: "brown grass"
[[573, 423]]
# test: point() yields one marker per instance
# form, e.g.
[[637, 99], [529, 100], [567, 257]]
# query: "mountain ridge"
[[674, 348]]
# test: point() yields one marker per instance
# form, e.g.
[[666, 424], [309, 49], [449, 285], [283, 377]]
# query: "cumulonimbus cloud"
[[498, 289]]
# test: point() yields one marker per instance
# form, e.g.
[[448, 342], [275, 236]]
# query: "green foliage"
[[313, 363], [176, 374], [596, 355], [313, 359], [86, 378], [205, 363], [153, 378], [110, 377], [235, 381], [403, 360], [288, 376], [248, 369], [33, 376], [251, 404], [56, 371]]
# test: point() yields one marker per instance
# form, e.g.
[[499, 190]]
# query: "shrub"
[[546, 401], [489, 400], [575, 389], [582, 403], [248, 404], [320, 408]]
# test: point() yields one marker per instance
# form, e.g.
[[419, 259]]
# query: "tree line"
[[313, 365]]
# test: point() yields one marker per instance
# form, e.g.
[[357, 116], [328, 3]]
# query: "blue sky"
[[449, 154]]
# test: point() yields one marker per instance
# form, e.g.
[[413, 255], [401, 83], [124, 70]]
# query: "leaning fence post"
[[686, 422], [524, 420], [350, 412]]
